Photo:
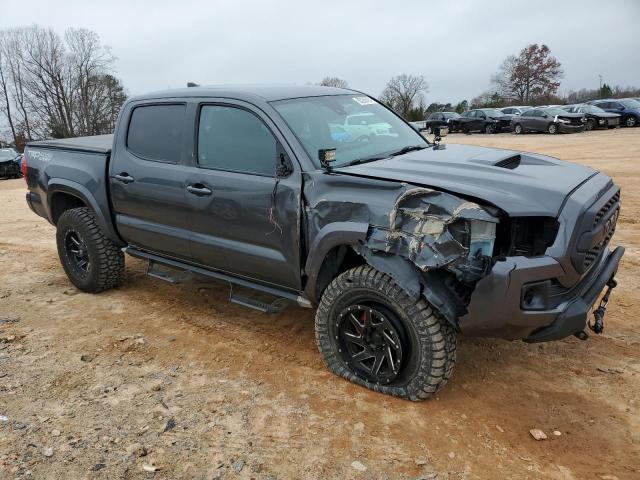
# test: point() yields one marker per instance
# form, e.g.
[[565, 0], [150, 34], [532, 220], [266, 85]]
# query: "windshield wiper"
[[358, 161], [407, 149]]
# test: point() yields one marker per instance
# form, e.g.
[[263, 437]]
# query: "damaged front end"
[[430, 242], [449, 240]]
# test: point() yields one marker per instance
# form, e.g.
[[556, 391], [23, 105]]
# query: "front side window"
[[370, 130], [155, 132], [235, 139]]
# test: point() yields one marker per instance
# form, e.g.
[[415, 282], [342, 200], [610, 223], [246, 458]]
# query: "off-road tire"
[[431, 339], [106, 260]]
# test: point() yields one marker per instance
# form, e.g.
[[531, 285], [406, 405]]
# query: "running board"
[[277, 305], [280, 294], [161, 272]]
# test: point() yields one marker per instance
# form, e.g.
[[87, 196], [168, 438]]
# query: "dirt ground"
[[152, 376]]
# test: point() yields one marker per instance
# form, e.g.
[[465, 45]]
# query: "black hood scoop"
[[511, 163]]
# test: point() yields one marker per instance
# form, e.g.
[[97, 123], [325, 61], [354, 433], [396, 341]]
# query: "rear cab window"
[[156, 132]]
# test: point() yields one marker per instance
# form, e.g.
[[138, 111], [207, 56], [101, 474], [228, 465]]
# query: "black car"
[[550, 120], [441, 119], [9, 166], [596, 117], [487, 120]]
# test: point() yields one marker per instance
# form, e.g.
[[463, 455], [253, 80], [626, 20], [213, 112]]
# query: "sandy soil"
[[152, 376]]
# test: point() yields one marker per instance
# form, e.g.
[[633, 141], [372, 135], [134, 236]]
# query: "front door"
[[244, 218]]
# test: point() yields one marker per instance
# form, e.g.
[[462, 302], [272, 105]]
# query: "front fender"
[[330, 236]]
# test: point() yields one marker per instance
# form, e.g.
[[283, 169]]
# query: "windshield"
[[8, 154], [555, 111], [590, 109], [630, 103], [358, 127], [493, 113]]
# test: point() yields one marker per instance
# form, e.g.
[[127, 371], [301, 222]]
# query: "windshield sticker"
[[363, 100]]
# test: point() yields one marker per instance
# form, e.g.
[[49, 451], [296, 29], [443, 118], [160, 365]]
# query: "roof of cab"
[[266, 93]]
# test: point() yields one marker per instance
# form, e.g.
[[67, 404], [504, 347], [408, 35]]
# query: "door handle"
[[199, 190], [124, 177]]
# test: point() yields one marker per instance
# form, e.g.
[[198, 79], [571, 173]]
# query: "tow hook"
[[598, 313]]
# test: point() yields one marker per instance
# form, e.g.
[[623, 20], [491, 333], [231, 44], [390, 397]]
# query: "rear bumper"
[[497, 307]]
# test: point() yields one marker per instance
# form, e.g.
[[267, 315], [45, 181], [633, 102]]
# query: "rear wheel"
[[372, 333], [92, 262], [630, 121], [552, 128], [517, 129]]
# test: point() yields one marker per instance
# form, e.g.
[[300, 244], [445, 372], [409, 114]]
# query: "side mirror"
[[284, 167]]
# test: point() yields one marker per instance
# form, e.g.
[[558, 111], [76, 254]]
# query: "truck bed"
[[93, 144]]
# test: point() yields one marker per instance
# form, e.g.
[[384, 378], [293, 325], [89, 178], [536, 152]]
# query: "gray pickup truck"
[[401, 244]]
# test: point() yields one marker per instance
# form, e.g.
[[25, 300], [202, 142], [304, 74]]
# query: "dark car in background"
[[550, 120], [441, 119], [487, 120], [627, 108], [596, 117], [9, 163]]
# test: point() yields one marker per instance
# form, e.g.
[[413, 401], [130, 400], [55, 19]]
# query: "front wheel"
[[371, 332], [591, 124], [517, 129], [630, 121], [552, 128], [92, 262], [490, 128]]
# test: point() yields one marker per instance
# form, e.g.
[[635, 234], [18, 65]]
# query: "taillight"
[[23, 166]]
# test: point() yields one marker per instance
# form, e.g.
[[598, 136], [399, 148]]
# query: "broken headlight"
[[482, 236], [476, 235]]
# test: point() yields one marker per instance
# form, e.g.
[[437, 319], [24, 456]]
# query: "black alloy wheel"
[[77, 252], [370, 339]]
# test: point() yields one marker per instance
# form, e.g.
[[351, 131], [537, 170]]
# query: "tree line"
[[55, 86]]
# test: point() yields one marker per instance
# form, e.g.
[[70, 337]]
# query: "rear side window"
[[234, 139], [156, 131]]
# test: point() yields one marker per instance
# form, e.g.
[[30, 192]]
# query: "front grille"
[[593, 253], [594, 230]]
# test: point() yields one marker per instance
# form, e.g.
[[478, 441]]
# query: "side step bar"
[[276, 305]]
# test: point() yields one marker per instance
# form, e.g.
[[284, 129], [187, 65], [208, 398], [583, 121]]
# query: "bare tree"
[[533, 73], [57, 86], [404, 93], [334, 82]]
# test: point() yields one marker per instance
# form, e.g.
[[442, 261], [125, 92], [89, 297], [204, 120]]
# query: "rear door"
[[147, 178], [244, 217]]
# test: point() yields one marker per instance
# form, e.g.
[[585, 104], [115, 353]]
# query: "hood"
[[520, 183]]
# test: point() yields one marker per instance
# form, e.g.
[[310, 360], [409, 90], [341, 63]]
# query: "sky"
[[455, 45]]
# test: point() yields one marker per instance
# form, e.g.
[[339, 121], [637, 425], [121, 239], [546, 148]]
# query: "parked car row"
[[550, 118], [9, 163]]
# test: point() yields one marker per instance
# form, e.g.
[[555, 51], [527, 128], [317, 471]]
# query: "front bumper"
[[9, 169], [495, 308], [567, 128]]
